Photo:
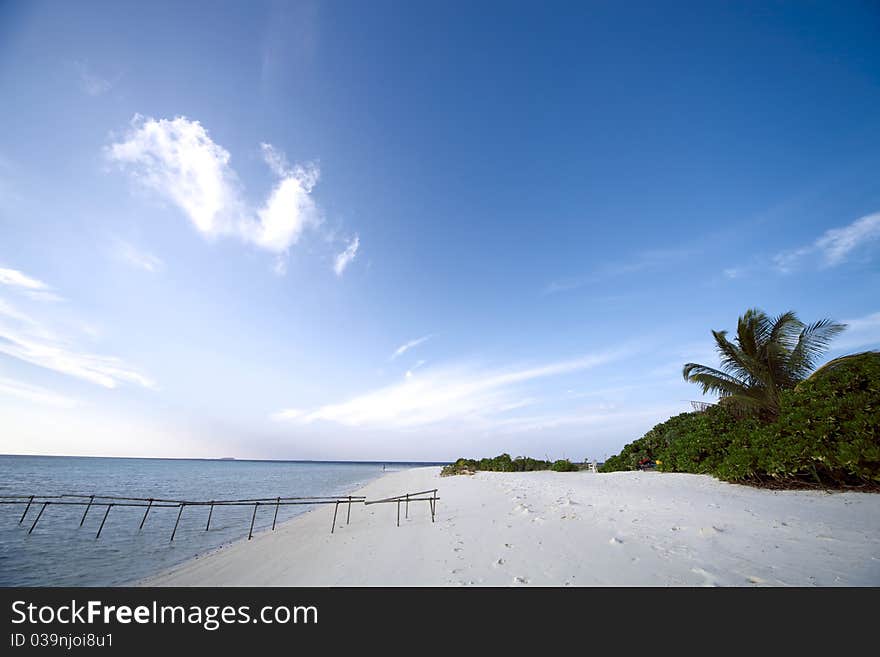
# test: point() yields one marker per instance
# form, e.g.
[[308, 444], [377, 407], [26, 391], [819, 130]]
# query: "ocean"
[[60, 552]]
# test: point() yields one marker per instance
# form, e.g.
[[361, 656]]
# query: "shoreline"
[[145, 581], [562, 529]]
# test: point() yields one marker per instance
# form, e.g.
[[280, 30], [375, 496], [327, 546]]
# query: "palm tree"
[[766, 357]]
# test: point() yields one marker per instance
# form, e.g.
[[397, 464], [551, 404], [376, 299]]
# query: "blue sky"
[[414, 230]]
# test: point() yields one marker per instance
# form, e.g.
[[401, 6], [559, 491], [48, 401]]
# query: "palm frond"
[[785, 330], [712, 380], [734, 360], [812, 342]]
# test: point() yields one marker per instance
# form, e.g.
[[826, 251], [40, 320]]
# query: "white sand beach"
[[563, 529]]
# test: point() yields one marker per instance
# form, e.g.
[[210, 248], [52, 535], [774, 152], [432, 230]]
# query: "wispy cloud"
[[451, 394], [15, 278], [735, 272], [178, 160], [137, 258], [31, 287], [861, 332], [834, 246], [30, 340], [345, 258], [35, 394], [402, 349], [90, 82], [645, 261]]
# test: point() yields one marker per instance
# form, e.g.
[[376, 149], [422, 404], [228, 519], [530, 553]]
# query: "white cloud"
[[455, 394], [402, 349], [137, 258], [276, 160], [835, 246], [345, 258], [178, 160], [29, 340], [34, 394], [14, 278], [837, 243], [287, 211], [27, 285]]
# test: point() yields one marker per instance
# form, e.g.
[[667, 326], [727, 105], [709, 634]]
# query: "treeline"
[[503, 463], [825, 431]]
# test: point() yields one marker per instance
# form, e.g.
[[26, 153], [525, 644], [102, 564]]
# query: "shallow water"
[[61, 553]]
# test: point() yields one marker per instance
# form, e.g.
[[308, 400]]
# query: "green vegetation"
[[564, 465], [775, 423], [503, 463]]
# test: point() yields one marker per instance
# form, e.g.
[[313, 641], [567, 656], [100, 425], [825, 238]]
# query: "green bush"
[[503, 463], [827, 432], [526, 464]]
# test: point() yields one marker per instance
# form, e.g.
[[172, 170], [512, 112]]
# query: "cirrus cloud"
[[27, 285], [458, 394], [834, 246], [344, 259], [31, 340]]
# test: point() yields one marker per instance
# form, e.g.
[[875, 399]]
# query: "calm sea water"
[[61, 553]]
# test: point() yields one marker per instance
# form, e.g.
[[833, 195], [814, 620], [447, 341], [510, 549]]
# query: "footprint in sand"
[[710, 531], [498, 562], [508, 545], [616, 541]]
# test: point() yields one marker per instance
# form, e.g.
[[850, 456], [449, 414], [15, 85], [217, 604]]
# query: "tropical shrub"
[[503, 463], [461, 466], [826, 432]]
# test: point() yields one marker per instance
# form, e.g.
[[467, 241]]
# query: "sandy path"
[[562, 529]]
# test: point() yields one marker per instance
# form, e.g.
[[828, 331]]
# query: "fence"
[[150, 503]]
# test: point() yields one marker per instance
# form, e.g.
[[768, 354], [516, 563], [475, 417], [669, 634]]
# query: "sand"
[[563, 529]]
